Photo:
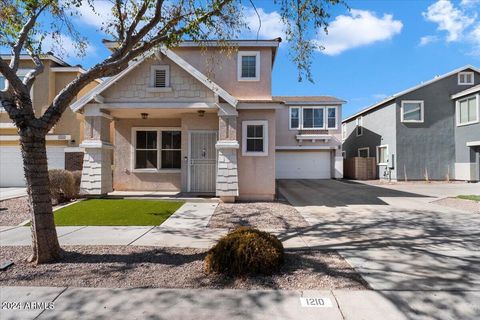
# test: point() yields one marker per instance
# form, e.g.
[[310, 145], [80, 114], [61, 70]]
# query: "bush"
[[62, 185], [77, 177], [245, 251]]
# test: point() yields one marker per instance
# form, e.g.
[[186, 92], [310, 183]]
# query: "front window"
[[467, 110], [254, 138], [248, 66], [313, 118], [146, 150], [294, 118], [382, 155], [156, 149], [412, 111], [466, 78]]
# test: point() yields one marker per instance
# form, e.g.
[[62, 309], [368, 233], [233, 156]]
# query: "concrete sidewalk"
[[209, 304], [11, 193]]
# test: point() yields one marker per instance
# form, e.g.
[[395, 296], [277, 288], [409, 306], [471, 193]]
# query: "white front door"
[[202, 164]]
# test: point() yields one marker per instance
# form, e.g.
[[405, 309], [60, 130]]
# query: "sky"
[[372, 51]]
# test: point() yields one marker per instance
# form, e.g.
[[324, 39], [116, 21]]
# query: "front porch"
[[160, 151]]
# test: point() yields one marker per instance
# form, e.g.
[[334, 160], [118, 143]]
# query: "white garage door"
[[302, 165], [11, 164]]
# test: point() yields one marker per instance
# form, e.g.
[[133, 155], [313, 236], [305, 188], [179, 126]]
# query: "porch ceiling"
[[155, 113]]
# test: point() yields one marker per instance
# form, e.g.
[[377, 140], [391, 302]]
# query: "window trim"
[[460, 74], [361, 149], [323, 127], [378, 154], [133, 154], [290, 118], [21, 73], [155, 68], [246, 123], [344, 131], [257, 65], [457, 110], [359, 123], [422, 118]]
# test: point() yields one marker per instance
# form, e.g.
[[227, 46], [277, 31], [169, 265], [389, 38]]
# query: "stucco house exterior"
[[430, 131], [63, 140], [198, 119]]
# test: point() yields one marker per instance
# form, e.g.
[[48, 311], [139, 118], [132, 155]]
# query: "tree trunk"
[[44, 235]]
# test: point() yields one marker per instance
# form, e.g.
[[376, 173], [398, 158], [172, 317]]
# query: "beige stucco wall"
[[287, 137], [47, 85], [133, 88], [221, 67], [256, 175]]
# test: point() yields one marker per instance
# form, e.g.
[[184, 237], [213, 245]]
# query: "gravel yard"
[[14, 211], [263, 215], [130, 267], [461, 204]]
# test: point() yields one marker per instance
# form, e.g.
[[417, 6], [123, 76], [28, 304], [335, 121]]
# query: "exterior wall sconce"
[[144, 115], [201, 113]]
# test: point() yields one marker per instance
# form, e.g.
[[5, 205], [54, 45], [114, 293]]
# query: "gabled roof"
[[423, 84], [464, 93], [309, 99], [79, 104]]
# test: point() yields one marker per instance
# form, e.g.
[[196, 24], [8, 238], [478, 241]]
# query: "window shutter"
[[160, 78]]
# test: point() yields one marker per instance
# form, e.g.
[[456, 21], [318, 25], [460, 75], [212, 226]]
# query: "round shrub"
[[62, 185], [245, 251]]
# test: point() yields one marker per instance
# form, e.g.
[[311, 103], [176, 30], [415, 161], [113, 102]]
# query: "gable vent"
[[160, 78]]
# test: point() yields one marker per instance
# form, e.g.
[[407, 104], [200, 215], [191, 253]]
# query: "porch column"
[[97, 159], [227, 146]]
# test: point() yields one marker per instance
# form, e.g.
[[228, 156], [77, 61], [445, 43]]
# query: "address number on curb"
[[316, 302]]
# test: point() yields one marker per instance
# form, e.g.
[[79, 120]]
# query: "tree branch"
[[17, 48], [32, 75]]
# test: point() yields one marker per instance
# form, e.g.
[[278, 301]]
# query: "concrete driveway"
[[399, 241], [12, 192]]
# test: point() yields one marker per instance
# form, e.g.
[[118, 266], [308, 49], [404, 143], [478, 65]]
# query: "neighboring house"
[[204, 121], [62, 140], [430, 131]]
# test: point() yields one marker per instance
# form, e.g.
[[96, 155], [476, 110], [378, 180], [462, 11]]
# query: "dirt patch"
[[461, 204], [14, 211], [131, 267], [265, 215]]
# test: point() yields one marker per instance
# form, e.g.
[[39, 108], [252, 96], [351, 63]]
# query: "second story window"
[[160, 76], [248, 66], [359, 128], [331, 118], [466, 78], [313, 118], [295, 118], [468, 110], [412, 111]]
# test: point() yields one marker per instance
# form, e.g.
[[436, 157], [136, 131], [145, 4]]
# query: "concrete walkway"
[[11, 193], [100, 303]]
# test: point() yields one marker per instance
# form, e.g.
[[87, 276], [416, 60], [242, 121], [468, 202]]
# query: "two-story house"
[[428, 132], [203, 120], [62, 140]]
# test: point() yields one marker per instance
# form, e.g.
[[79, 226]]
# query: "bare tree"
[[138, 27]]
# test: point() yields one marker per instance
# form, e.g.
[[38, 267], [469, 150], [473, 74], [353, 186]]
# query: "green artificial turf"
[[470, 197], [121, 212]]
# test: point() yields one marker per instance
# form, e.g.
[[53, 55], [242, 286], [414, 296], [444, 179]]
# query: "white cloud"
[[469, 3], [448, 18], [97, 17], [271, 25], [62, 45], [427, 40], [360, 28]]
